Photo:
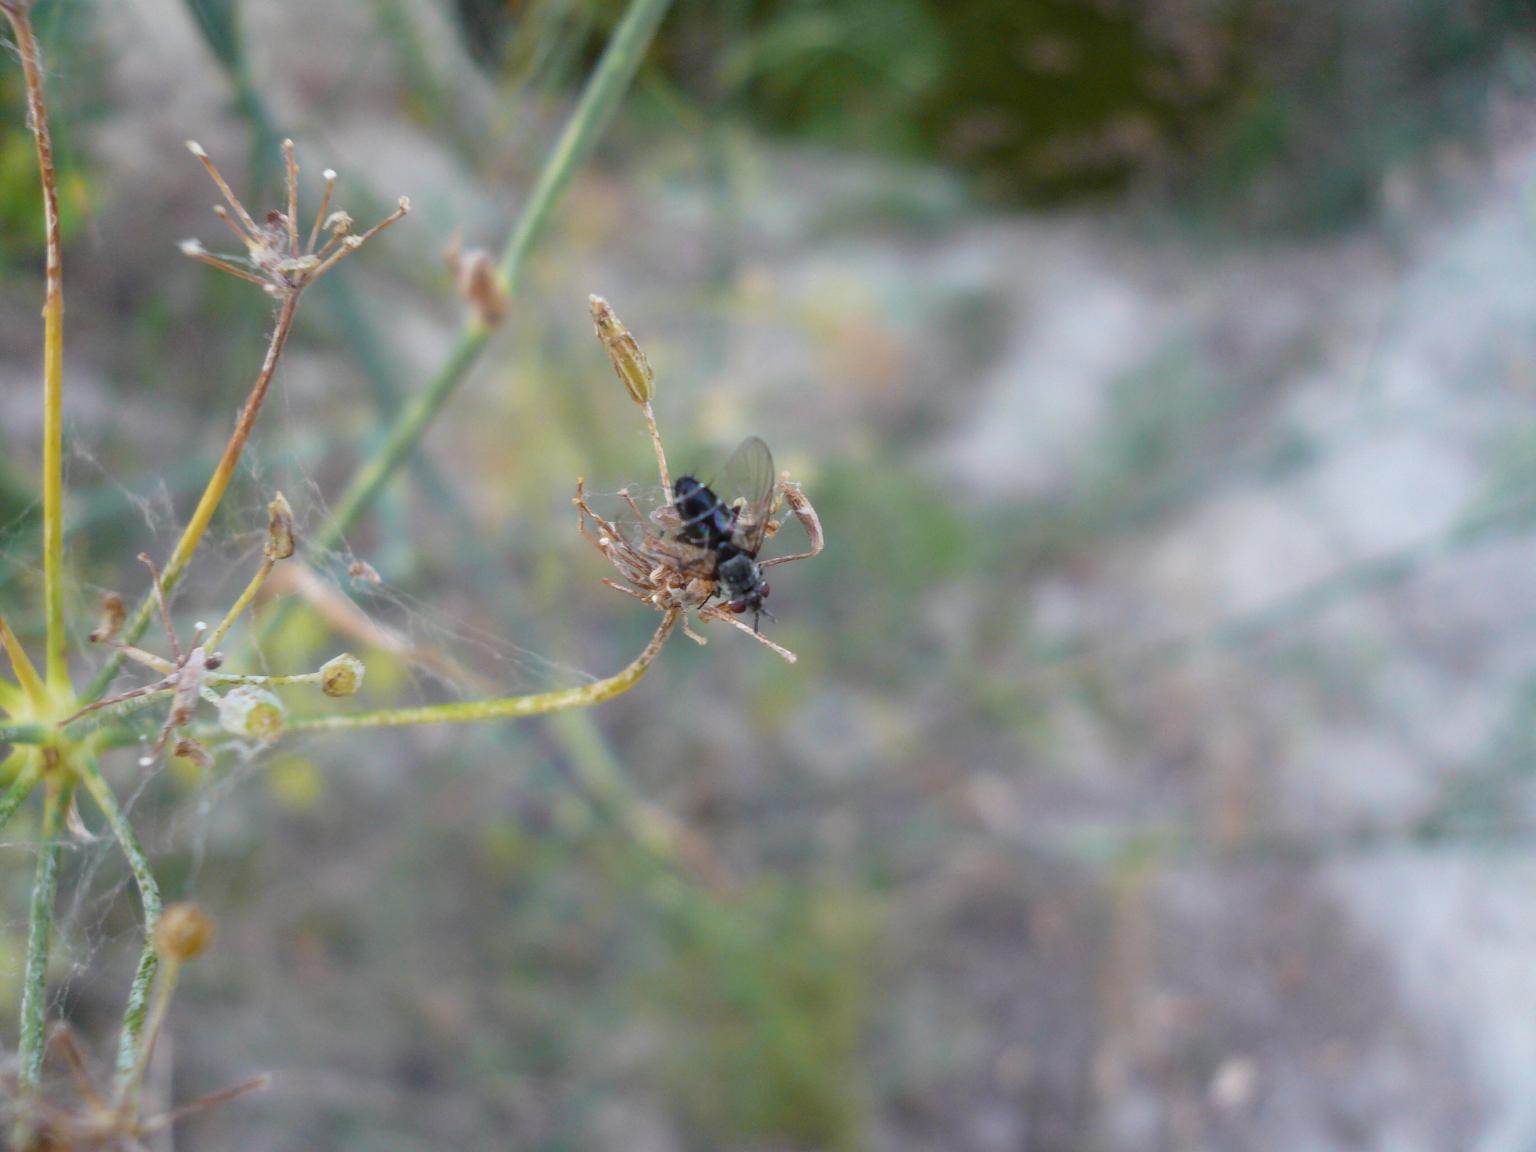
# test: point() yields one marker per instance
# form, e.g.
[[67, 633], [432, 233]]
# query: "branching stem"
[[129, 1070], [470, 711], [213, 494]]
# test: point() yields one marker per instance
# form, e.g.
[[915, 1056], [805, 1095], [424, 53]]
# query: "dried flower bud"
[[113, 613], [341, 675], [252, 712], [184, 933], [628, 360], [481, 284], [279, 529]]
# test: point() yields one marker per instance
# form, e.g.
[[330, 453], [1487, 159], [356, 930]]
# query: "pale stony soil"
[[1134, 907]]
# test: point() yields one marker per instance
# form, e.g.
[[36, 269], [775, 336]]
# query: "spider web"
[[455, 652], [131, 485]]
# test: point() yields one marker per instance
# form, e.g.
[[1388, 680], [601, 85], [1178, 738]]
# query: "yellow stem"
[[240, 605], [219, 482], [21, 666], [470, 711], [661, 454], [213, 494], [53, 359]]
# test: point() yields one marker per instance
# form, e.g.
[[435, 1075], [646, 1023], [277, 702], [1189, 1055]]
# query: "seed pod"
[[184, 933], [280, 543], [341, 675], [628, 360], [252, 712]]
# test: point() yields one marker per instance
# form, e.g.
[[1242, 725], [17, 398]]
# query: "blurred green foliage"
[[1268, 113], [766, 994], [21, 196]]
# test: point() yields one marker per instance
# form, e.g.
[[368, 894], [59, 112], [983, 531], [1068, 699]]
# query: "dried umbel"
[[655, 564], [278, 255]]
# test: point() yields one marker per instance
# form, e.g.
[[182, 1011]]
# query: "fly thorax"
[[738, 571]]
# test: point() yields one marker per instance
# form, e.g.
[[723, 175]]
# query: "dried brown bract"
[[478, 281]]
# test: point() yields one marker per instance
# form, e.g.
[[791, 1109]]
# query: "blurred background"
[[1157, 771]]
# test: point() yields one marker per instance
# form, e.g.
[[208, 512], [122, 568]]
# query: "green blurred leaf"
[[219, 23]]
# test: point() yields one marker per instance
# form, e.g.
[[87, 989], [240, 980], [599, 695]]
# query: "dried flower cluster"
[[645, 561], [276, 257], [249, 709]]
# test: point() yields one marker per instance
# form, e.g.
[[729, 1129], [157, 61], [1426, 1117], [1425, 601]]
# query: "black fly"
[[727, 536]]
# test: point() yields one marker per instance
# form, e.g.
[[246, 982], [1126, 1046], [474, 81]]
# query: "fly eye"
[[764, 592], [738, 606]]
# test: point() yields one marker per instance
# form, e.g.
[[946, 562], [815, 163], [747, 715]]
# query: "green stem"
[[20, 789], [34, 989], [149, 895], [606, 86], [24, 733], [471, 711]]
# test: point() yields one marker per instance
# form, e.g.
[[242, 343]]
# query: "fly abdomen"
[[705, 519]]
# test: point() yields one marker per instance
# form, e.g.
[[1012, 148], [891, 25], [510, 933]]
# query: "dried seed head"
[[277, 255], [184, 933], [341, 675], [252, 712], [113, 613], [628, 360], [279, 529]]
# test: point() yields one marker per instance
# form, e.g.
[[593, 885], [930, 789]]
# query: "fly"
[[701, 535]]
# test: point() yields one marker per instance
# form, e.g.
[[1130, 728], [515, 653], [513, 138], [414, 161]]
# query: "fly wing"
[[747, 485], [652, 528]]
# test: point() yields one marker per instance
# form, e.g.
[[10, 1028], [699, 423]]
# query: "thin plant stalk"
[[471, 711], [30, 682], [604, 89], [53, 355], [149, 896]]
